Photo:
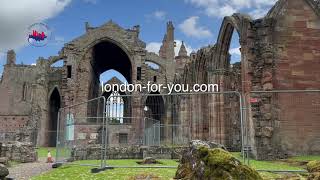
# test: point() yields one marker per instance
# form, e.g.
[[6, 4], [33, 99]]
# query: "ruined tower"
[[167, 48], [167, 51], [11, 57]]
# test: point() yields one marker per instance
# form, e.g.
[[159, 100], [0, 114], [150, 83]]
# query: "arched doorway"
[[154, 126], [155, 107], [54, 106]]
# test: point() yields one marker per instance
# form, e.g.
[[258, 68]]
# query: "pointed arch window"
[[24, 91]]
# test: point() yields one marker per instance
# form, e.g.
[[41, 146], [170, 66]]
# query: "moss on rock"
[[223, 165], [206, 164], [313, 166]]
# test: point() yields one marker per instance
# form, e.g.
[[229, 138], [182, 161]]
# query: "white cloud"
[[155, 47], [258, 13], [221, 8], [159, 15], [222, 11], [235, 51], [190, 28], [156, 15], [17, 15], [261, 3], [241, 3]]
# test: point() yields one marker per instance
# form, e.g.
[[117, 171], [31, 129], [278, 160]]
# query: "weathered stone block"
[[268, 87], [267, 116], [267, 131]]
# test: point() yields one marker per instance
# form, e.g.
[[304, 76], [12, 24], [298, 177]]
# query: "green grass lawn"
[[269, 165], [305, 158], [84, 172], [68, 172]]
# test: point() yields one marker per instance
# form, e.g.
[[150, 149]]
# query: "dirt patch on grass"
[[145, 177], [148, 160], [295, 163], [143, 163]]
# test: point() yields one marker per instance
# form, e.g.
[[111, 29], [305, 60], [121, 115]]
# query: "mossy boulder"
[[3, 171], [313, 168], [201, 162], [149, 160]]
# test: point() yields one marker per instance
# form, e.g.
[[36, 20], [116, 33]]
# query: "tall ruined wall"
[[235, 124], [279, 52], [17, 101], [214, 117], [296, 39], [285, 57], [190, 108], [261, 70], [12, 89], [24, 93]]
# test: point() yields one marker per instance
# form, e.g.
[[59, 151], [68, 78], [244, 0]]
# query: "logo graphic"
[[39, 34]]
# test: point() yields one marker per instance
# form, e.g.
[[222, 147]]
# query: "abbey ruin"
[[271, 59]]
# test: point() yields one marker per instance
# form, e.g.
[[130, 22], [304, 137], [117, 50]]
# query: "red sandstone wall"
[[297, 37], [12, 123], [11, 90], [297, 41]]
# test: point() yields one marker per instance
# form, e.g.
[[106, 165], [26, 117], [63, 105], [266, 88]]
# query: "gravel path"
[[25, 171]]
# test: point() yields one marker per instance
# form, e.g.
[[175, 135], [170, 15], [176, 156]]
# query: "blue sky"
[[197, 22]]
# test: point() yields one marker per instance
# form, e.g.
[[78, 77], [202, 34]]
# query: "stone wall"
[[18, 151], [284, 57], [130, 152], [296, 38], [214, 117], [24, 91]]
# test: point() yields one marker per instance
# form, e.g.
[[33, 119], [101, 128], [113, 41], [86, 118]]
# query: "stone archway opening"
[[117, 104], [109, 56], [235, 84], [106, 56], [154, 110], [54, 106], [230, 63], [117, 107]]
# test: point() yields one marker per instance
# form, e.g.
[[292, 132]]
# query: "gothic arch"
[[55, 87], [54, 59], [54, 104], [238, 22], [120, 44], [161, 67]]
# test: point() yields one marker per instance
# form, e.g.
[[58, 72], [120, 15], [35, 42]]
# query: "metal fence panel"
[[172, 120], [79, 126], [138, 126]]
